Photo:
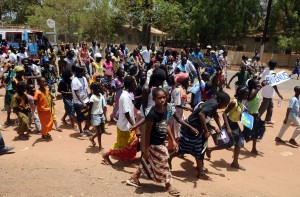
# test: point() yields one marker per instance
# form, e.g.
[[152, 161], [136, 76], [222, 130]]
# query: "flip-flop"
[[134, 183], [173, 192]]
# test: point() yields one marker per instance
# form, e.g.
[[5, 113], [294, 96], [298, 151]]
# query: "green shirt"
[[242, 78], [253, 105], [9, 84]]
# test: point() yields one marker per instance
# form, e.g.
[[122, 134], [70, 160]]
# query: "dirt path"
[[69, 166]]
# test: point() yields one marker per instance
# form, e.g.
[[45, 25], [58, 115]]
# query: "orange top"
[[43, 99]]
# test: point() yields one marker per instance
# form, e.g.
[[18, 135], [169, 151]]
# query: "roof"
[[140, 28]]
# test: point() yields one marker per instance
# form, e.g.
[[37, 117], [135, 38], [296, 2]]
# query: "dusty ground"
[[69, 166]]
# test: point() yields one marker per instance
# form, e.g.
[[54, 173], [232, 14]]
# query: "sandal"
[[133, 182], [173, 192]]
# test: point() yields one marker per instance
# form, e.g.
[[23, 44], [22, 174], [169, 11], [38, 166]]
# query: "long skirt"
[[23, 120], [46, 120], [193, 145], [156, 167], [126, 146]]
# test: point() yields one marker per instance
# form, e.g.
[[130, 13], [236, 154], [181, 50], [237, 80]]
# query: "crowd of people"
[[149, 89]]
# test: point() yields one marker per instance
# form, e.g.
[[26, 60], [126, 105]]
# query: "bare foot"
[[256, 152], [106, 161], [59, 130], [203, 176], [93, 142], [237, 166], [208, 153]]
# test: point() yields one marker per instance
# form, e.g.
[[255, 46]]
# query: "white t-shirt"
[[21, 56], [35, 68], [125, 105], [81, 85], [98, 104], [146, 55], [13, 57], [267, 91]]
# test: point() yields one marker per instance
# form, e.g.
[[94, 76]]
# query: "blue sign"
[[247, 120]]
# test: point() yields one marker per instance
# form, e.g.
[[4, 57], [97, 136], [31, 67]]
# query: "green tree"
[[65, 13], [98, 23], [285, 20]]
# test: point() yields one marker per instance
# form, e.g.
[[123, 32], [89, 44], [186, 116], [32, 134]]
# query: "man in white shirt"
[[21, 55], [94, 49], [146, 55], [80, 99], [268, 94]]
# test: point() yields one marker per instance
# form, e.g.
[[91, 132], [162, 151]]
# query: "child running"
[[292, 115], [20, 105], [154, 161], [194, 142], [232, 115], [43, 100], [97, 112]]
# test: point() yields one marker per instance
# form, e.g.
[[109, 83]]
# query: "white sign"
[[51, 23], [277, 78]]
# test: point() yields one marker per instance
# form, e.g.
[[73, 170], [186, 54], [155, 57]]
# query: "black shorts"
[[81, 112]]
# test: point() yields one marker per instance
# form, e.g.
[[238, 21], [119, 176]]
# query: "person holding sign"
[[268, 94], [292, 115]]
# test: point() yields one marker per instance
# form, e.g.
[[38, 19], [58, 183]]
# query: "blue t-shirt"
[[199, 55], [294, 106], [196, 90]]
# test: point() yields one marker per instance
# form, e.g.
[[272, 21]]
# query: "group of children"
[[149, 100]]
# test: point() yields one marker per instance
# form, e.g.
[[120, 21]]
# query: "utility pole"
[[262, 47]]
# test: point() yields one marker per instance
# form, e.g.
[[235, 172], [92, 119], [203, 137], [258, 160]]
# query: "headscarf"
[[18, 69], [180, 77]]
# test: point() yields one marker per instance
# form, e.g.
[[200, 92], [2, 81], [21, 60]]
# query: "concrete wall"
[[235, 57]]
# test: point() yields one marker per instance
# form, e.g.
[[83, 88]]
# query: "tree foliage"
[[285, 18], [204, 21]]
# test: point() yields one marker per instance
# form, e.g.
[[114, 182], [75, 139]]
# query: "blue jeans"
[[2, 144]]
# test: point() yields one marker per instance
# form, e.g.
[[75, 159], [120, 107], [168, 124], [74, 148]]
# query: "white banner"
[[277, 78]]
